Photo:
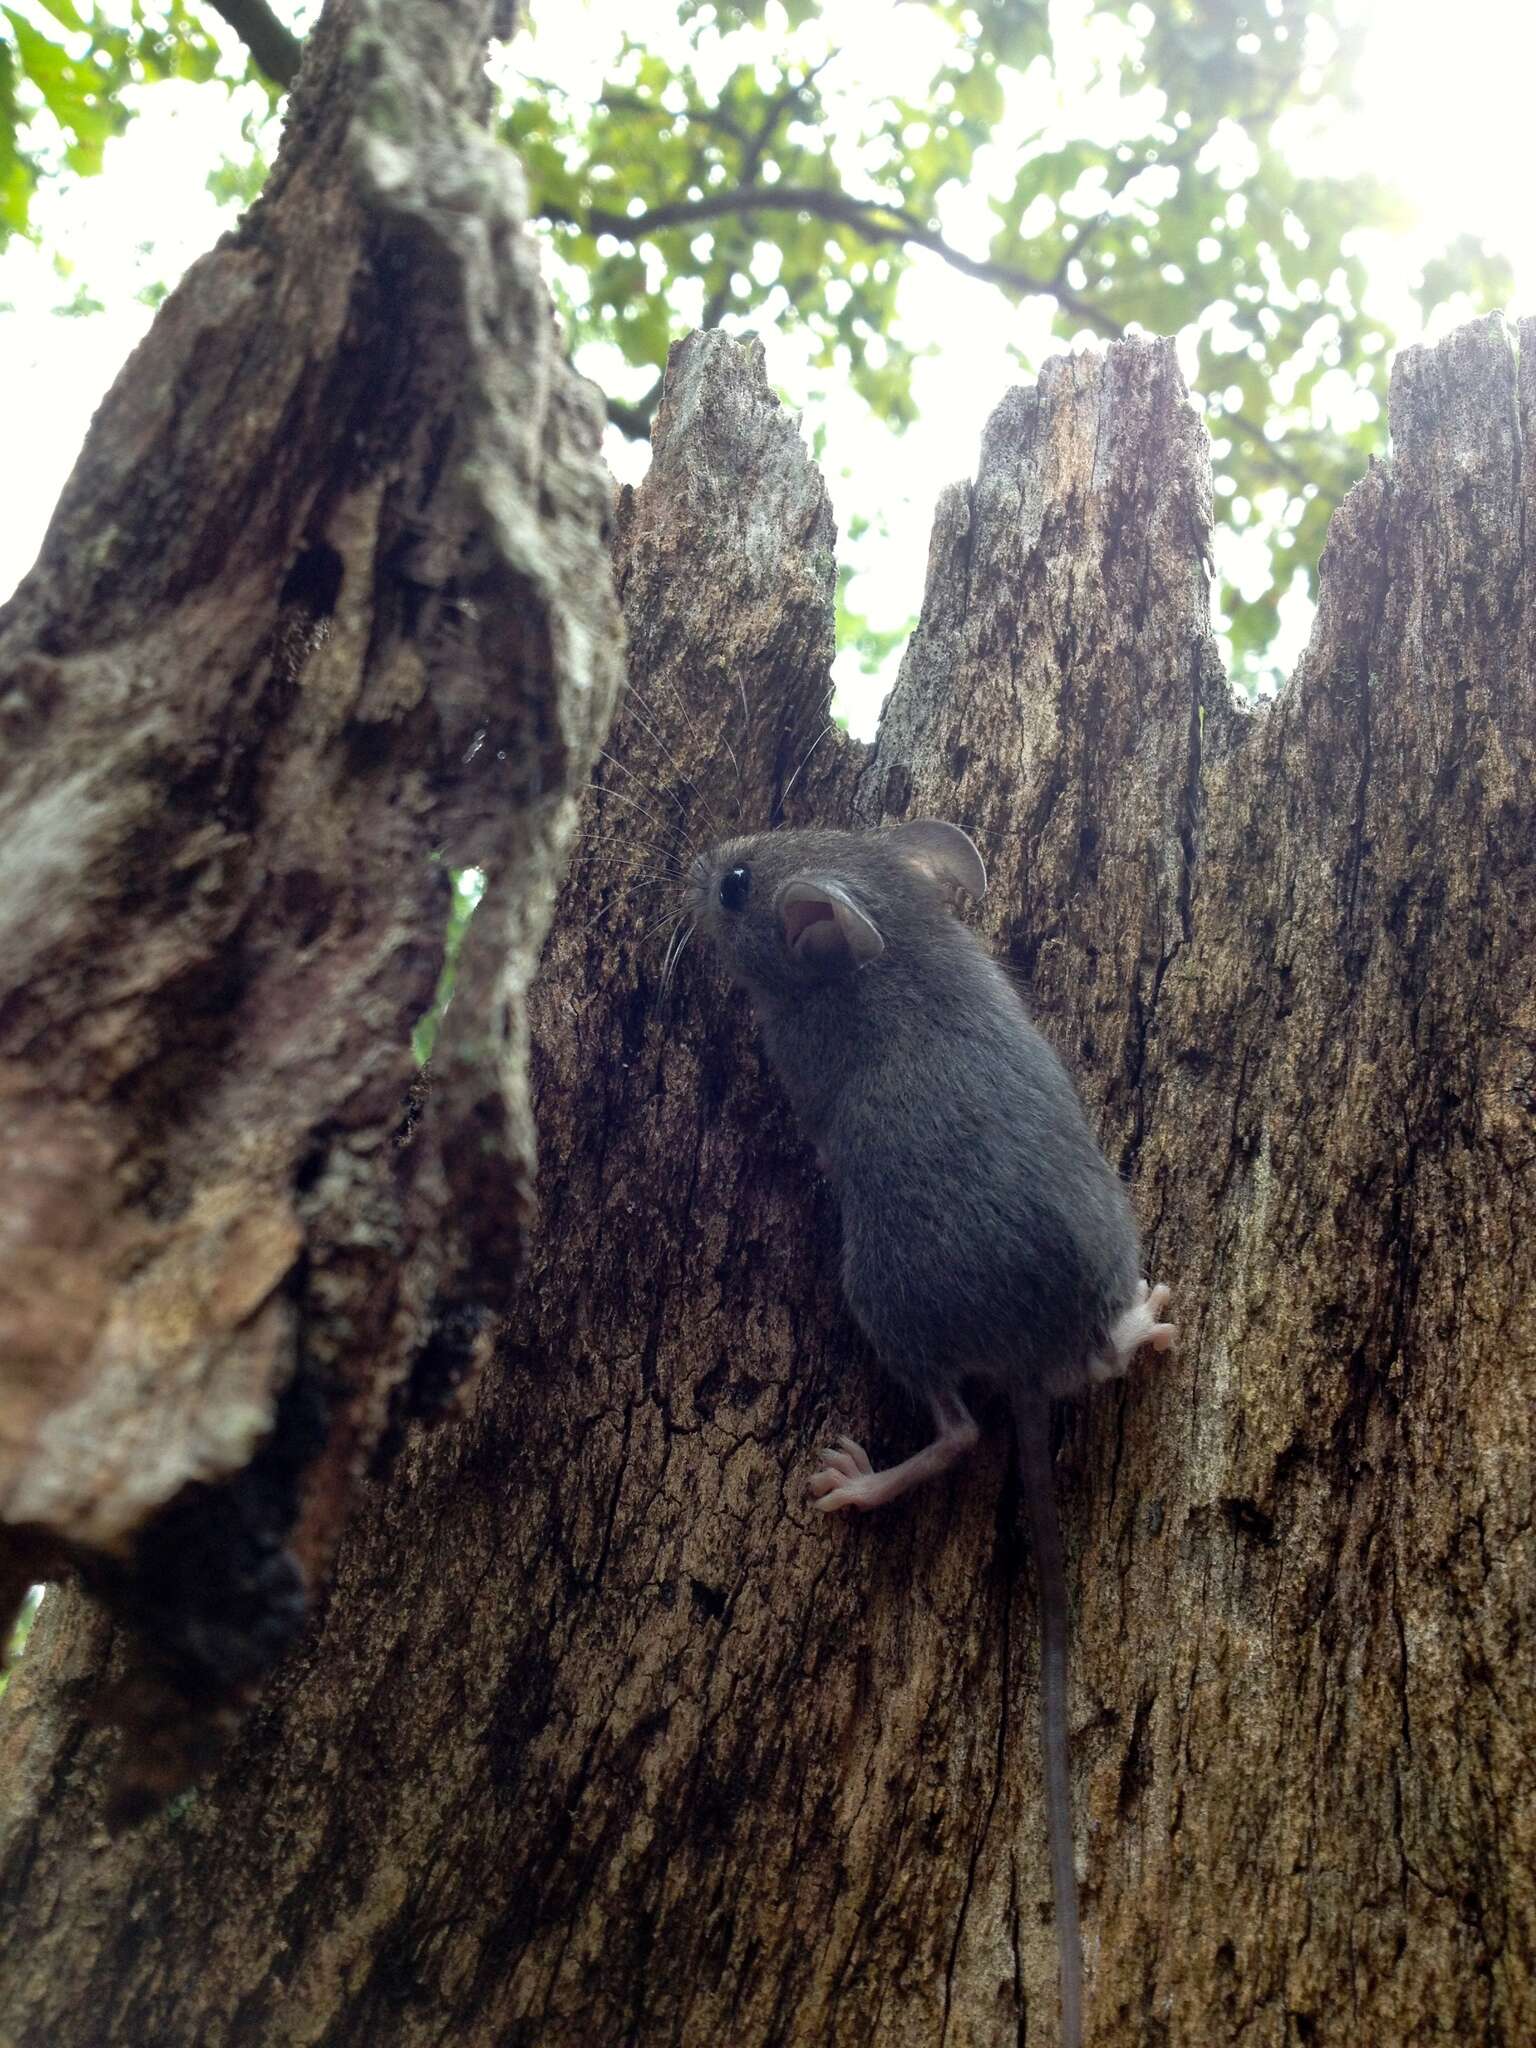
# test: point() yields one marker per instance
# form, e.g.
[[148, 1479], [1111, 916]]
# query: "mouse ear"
[[822, 923], [945, 851]]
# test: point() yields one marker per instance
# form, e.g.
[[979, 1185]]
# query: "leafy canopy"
[[1140, 174], [62, 75], [740, 181]]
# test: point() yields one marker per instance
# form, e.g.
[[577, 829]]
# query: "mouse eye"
[[735, 888]]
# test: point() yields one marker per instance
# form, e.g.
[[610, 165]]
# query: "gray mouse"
[[985, 1236]]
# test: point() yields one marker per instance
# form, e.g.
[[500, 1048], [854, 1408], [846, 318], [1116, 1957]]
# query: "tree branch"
[[706, 117], [633, 417], [275, 50], [880, 222], [1274, 458], [872, 218]]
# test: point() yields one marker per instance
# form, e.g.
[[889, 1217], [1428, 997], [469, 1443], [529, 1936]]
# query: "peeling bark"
[[323, 612], [604, 1735]]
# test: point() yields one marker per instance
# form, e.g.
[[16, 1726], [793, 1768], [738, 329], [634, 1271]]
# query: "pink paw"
[[845, 1479], [1161, 1335], [1138, 1326]]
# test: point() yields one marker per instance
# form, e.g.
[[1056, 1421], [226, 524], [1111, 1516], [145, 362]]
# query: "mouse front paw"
[[845, 1478], [1161, 1335], [1141, 1324]]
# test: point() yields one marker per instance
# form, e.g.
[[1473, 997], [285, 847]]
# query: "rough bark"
[[323, 613], [605, 1737]]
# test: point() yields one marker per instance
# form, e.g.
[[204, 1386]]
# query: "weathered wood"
[[605, 1736], [324, 611]]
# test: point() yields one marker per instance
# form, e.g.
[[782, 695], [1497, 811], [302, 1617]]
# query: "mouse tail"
[[1032, 1416]]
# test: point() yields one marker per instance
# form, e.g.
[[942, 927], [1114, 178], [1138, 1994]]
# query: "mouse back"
[[983, 1230]]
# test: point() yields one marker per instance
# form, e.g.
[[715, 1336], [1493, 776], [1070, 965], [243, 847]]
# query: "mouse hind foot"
[[1140, 1324], [848, 1480]]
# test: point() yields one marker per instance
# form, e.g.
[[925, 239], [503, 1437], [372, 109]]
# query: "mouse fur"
[[985, 1235]]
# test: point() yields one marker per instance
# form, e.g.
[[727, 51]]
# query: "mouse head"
[[787, 910]]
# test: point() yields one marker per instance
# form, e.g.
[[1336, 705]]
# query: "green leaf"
[[21, 1628], [134, 44], [65, 14], [467, 888]]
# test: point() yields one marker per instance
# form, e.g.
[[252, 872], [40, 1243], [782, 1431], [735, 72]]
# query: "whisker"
[[679, 948], [682, 705], [628, 889], [656, 738], [619, 796], [667, 855], [681, 702], [671, 917], [815, 743], [666, 963], [675, 950], [625, 769]]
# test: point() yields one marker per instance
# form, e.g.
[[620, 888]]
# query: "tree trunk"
[[604, 1736], [324, 613]]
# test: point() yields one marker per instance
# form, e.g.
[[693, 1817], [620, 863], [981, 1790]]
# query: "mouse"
[[985, 1236]]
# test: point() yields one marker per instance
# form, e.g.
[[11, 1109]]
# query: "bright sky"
[[1445, 119]]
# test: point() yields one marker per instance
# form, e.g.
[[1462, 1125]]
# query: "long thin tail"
[[1033, 1418]]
